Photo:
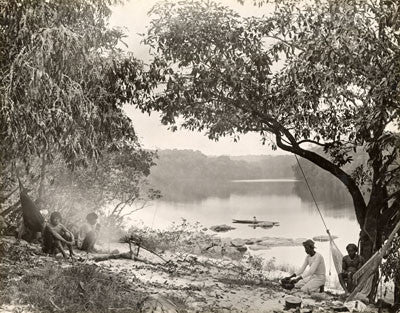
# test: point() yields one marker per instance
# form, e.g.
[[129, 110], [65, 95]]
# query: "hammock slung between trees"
[[33, 219], [364, 276]]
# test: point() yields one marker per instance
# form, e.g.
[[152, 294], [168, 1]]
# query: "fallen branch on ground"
[[126, 255], [151, 251], [138, 243]]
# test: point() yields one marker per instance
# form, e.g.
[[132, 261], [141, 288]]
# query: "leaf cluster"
[[391, 267], [63, 80], [323, 73]]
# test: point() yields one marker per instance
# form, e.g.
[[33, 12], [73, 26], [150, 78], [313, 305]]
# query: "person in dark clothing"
[[351, 263], [55, 235]]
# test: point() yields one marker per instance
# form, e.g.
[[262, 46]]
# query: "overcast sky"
[[133, 17]]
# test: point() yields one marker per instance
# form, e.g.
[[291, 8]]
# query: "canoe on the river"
[[256, 222], [246, 221]]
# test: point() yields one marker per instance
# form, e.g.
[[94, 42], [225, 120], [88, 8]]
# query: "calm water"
[[283, 201]]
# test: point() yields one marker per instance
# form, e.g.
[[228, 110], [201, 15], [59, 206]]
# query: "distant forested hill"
[[269, 166], [189, 164], [181, 174]]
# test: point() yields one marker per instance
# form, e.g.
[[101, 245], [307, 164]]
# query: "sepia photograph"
[[189, 156]]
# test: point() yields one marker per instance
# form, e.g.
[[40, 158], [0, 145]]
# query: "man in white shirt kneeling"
[[313, 278]]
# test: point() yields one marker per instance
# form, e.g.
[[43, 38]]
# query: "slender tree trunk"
[[42, 179]]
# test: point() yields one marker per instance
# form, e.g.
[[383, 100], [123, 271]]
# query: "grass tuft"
[[81, 288]]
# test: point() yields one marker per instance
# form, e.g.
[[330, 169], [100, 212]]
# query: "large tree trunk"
[[366, 251], [372, 235], [368, 248], [366, 245], [397, 292]]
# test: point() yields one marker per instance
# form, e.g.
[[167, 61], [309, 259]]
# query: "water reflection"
[[334, 202], [287, 202]]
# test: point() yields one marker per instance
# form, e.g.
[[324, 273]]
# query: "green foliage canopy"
[[64, 80]]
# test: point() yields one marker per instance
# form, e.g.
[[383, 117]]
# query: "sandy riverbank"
[[186, 283]]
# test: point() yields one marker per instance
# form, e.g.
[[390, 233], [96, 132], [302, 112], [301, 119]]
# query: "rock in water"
[[158, 304], [221, 228]]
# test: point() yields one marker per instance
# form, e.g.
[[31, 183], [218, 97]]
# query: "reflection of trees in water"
[[198, 190], [331, 195], [333, 199]]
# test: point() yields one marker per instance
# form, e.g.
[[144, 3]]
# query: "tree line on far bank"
[[188, 175], [189, 164]]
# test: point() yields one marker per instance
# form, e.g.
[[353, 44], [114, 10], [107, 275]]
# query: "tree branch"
[[347, 180], [311, 141], [292, 146], [388, 162], [9, 194], [389, 175], [394, 195], [116, 207], [11, 208], [288, 43]]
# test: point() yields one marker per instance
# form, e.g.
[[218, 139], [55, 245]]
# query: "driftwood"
[[130, 255], [126, 255], [106, 257], [140, 246], [151, 251]]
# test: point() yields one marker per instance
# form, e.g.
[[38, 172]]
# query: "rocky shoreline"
[[265, 243]]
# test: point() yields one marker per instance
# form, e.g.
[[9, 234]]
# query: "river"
[[279, 200]]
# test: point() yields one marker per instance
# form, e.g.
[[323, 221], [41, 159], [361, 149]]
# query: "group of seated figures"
[[311, 276], [56, 236]]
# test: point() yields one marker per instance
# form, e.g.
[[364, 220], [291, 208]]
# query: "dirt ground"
[[186, 283]]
